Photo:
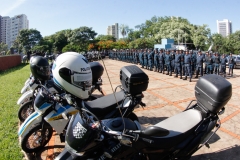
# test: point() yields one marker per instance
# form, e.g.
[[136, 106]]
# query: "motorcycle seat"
[[179, 127], [180, 123], [103, 105]]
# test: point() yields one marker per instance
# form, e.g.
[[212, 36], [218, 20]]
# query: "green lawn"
[[11, 82]]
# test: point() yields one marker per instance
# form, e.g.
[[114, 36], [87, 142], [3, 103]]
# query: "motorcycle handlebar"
[[138, 133]]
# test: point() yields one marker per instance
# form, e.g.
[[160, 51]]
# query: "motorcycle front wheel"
[[25, 110], [37, 138]]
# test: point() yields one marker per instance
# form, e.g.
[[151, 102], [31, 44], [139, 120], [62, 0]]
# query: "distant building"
[[5, 24], [0, 29], [169, 45], [224, 27], [113, 30], [10, 28]]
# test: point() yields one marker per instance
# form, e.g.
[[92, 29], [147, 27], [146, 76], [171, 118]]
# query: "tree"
[[200, 36], [124, 29], [233, 43], [105, 37], [142, 43], [133, 35], [45, 45], [82, 36], [28, 38], [71, 48], [218, 42], [105, 45], [3, 48]]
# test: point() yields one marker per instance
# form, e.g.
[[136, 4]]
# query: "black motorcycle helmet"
[[97, 71], [40, 68]]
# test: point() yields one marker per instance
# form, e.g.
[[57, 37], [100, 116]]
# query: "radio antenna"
[[114, 93]]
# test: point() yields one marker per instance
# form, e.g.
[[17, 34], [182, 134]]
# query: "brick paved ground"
[[165, 97]]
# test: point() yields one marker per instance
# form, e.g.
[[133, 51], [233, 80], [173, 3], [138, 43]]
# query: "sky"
[[51, 16]]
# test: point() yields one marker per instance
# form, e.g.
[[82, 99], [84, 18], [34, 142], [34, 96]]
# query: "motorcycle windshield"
[[41, 99]]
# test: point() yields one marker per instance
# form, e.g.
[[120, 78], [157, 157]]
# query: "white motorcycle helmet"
[[72, 73]]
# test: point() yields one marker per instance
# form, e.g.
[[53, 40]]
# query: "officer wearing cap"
[[145, 58], [216, 61], [155, 59], [199, 64], [136, 56], [182, 62], [141, 57], [177, 62], [150, 59], [209, 63], [120, 52], [173, 53], [168, 63], [161, 61], [187, 64], [131, 55], [230, 64], [194, 56], [126, 55], [223, 60]]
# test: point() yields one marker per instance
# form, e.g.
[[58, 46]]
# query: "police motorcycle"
[[27, 84], [177, 137], [27, 99], [51, 110]]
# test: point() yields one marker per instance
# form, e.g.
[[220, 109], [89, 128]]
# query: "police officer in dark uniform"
[[223, 65], [141, 57], [209, 63], [177, 62], [131, 56], [126, 55], [187, 64], [161, 61], [136, 56], [216, 63], [230, 64], [199, 64], [194, 60], [182, 62], [168, 63], [150, 59], [173, 62], [156, 62], [145, 58]]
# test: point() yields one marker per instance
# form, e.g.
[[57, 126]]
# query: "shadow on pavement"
[[223, 154], [39, 155]]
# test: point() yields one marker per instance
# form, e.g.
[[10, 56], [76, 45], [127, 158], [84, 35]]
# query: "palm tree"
[[124, 29]]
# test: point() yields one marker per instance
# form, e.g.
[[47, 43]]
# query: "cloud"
[[13, 6]]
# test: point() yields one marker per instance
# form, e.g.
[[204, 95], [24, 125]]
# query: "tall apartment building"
[[10, 28], [0, 29], [224, 27], [113, 30]]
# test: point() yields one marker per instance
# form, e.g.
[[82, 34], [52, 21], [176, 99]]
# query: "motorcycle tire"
[[133, 117], [25, 110], [38, 141]]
